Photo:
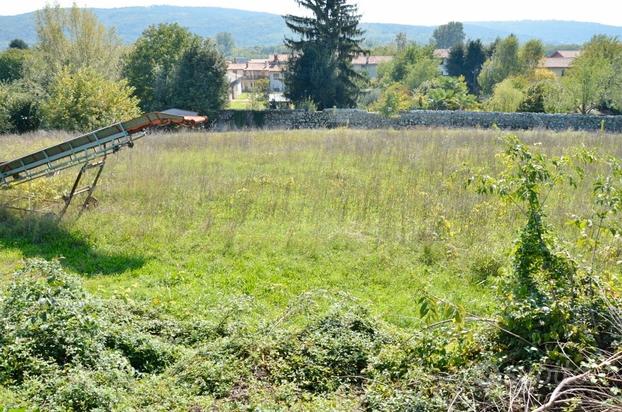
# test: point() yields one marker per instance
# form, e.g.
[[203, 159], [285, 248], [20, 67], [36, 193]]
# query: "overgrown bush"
[[46, 321], [85, 100]]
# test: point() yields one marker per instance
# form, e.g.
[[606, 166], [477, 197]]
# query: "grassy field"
[[187, 221], [279, 270]]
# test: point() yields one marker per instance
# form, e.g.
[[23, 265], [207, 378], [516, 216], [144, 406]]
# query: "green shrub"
[[46, 320], [329, 352], [86, 100], [77, 389]]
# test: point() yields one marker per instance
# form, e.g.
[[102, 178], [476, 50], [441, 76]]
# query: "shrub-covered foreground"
[[554, 342]]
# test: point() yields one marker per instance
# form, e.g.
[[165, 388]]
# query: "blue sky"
[[392, 11]]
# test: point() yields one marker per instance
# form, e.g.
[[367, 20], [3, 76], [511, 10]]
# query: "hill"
[[265, 29]]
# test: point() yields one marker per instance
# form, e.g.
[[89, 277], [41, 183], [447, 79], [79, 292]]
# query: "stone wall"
[[358, 119]]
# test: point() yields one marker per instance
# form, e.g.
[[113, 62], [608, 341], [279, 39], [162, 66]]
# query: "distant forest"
[[261, 30]]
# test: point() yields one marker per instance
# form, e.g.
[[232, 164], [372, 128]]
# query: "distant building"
[[559, 61], [369, 64], [443, 56], [569, 54], [249, 72]]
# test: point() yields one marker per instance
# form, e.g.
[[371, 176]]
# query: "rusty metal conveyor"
[[84, 150], [88, 147]]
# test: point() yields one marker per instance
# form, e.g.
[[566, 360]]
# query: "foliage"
[[153, 61], [394, 100], [415, 62], [585, 83], [329, 39], [383, 214], [71, 40], [225, 43], [503, 63], [200, 83], [18, 44], [420, 72], [550, 302], [86, 100], [19, 109], [260, 94], [445, 93], [5, 115], [595, 78], [530, 55], [12, 65], [448, 35], [455, 61], [507, 97], [534, 98], [44, 322]]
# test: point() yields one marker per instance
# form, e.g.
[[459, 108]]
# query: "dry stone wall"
[[359, 119]]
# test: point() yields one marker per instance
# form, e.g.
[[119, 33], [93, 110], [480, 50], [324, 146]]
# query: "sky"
[[414, 12]]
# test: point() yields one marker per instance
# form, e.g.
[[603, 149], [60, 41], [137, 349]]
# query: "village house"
[[559, 61], [369, 64], [443, 56], [243, 77]]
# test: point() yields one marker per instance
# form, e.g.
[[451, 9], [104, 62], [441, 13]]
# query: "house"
[[443, 56], [559, 61], [569, 54], [369, 64], [235, 85], [249, 72]]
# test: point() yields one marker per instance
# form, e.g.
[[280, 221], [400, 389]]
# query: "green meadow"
[[229, 270], [187, 219]]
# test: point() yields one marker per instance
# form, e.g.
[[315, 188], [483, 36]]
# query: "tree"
[[18, 44], [152, 63], [507, 97], [474, 59], [86, 100], [530, 55], [73, 39], [395, 99], [401, 41], [607, 50], [225, 43], [421, 71], [534, 101], [586, 83], [445, 93], [12, 63], [503, 63], [455, 61], [403, 63], [260, 94], [328, 41], [200, 82], [448, 35]]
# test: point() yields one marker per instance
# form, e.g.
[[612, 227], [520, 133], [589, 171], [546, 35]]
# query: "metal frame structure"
[[85, 149]]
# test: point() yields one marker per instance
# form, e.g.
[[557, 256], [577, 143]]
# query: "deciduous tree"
[[200, 82], [18, 44], [225, 43], [448, 35], [74, 39], [151, 65], [86, 100]]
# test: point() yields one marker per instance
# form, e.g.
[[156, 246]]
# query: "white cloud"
[[390, 11]]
